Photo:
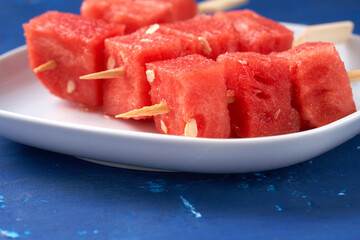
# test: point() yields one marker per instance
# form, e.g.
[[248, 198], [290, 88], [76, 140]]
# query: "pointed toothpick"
[[45, 66], [148, 111], [111, 73]]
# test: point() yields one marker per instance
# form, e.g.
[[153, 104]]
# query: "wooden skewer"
[[111, 73], [354, 75], [156, 109], [211, 6], [45, 66], [146, 111], [190, 127], [335, 32]]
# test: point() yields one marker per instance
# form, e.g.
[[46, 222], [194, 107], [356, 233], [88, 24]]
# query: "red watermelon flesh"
[[257, 33], [139, 13], [193, 88], [262, 95], [208, 36], [322, 90], [181, 9], [133, 14], [132, 52], [77, 45]]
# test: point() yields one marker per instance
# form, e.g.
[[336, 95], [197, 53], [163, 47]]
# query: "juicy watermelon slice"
[[257, 33], [77, 45], [322, 91], [261, 90], [193, 88], [132, 52]]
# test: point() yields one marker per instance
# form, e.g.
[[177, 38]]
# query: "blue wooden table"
[[45, 195]]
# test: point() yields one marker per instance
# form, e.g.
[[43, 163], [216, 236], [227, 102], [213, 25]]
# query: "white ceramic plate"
[[30, 115]]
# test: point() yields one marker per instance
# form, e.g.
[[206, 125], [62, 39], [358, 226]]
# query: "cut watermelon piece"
[[257, 33], [193, 88], [261, 90], [138, 13], [322, 91], [132, 52], [208, 36], [77, 45]]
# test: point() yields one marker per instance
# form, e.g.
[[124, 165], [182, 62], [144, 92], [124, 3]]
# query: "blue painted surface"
[[45, 195]]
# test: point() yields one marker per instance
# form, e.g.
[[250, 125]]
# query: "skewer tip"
[[147, 111], [45, 66], [111, 73]]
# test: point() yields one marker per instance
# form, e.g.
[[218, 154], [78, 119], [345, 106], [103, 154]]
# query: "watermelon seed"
[[70, 87], [277, 114], [207, 49], [153, 28], [111, 63], [163, 127], [243, 62], [191, 128], [230, 96], [150, 75], [145, 40]]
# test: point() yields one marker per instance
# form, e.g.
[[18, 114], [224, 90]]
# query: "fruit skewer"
[[191, 123], [263, 103], [194, 35], [119, 83], [114, 72], [335, 32], [181, 9]]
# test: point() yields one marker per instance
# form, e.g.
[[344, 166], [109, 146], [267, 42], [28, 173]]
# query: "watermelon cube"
[[193, 88], [132, 52], [322, 91], [76, 44], [257, 33], [138, 13], [261, 93], [206, 35]]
